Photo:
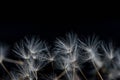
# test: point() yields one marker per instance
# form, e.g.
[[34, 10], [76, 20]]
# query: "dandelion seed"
[[47, 55], [25, 72], [65, 46], [34, 45], [29, 48], [111, 55], [90, 47], [108, 50], [65, 65], [112, 58], [21, 50], [36, 64], [67, 50]]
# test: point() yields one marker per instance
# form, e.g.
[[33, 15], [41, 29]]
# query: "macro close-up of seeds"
[[65, 60]]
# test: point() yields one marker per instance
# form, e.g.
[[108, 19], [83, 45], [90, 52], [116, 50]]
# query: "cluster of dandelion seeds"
[[66, 60]]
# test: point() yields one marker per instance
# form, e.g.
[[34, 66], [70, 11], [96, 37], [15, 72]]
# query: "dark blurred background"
[[105, 28]]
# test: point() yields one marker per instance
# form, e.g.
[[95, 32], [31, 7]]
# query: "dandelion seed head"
[[21, 50], [109, 50], [67, 50], [49, 56], [36, 64], [28, 48], [66, 46], [25, 72], [34, 45], [90, 46]]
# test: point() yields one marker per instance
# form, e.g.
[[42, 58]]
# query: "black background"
[[105, 28]]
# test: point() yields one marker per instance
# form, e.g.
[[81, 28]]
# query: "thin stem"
[[82, 74], [97, 70], [36, 75], [13, 61], [76, 77], [52, 67], [58, 77], [6, 70], [73, 73]]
